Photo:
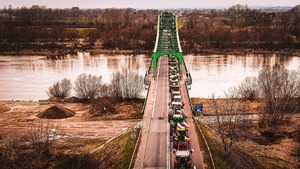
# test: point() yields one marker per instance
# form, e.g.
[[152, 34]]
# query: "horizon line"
[[168, 8]]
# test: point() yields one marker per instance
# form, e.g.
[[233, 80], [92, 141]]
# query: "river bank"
[[48, 52]]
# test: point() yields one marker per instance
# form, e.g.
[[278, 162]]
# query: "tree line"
[[237, 27], [123, 85], [241, 27]]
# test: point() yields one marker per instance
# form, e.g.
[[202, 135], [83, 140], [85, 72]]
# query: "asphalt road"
[[157, 149]]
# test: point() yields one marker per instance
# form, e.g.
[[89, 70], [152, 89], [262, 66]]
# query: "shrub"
[[42, 136], [248, 88], [128, 85], [88, 86], [60, 89]]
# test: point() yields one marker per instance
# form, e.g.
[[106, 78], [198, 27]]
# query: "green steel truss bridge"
[[167, 39]]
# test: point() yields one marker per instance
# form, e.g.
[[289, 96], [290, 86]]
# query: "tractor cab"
[[173, 63], [172, 67], [173, 77], [174, 87], [173, 72], [182, 139], [177, 98], [182, 159], [180, 111], [176, 105], [176, 118], [181, 145], [182, 131], [173, 80]]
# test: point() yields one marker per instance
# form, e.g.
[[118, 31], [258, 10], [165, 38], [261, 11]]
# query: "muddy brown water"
[[28, 77], [214, 74]]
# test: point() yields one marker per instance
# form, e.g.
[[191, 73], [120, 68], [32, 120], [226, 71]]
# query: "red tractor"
[[182, 160]]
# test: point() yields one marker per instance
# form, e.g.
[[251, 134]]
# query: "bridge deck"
[[153, 148]]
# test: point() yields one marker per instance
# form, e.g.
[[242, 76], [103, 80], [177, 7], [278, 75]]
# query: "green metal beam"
[[167, 39], [156, 55]]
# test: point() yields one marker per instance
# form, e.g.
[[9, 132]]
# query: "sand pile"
[[56, 112], [4, 108]]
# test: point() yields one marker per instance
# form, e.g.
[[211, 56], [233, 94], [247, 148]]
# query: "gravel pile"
[[56, 112]]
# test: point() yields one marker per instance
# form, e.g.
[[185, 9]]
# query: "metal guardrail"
[[189, 77], [135, 148], [148, 83], [146, 98], [150, 66], [210, 155]]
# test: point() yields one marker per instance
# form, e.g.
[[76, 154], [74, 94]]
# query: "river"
[[28, 77], [214, 74]]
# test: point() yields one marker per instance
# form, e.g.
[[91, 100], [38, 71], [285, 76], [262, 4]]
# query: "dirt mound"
[[4, 108], [56, 112]]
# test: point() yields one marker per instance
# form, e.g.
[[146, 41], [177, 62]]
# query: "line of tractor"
[[179, 136]]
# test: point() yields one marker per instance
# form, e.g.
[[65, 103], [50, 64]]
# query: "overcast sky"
[[156, 4]]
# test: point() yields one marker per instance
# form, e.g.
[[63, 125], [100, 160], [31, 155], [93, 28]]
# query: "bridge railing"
[[147, 82], [189, 79]]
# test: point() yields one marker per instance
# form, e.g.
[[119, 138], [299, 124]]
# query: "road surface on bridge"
[[155, 149], [157, 146]]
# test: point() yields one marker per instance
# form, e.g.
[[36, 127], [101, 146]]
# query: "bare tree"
[[60, 89], [106, 90], [280, 90], [227, 112], [133, 85], [117, 85], [127, 85], [88, 86]]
